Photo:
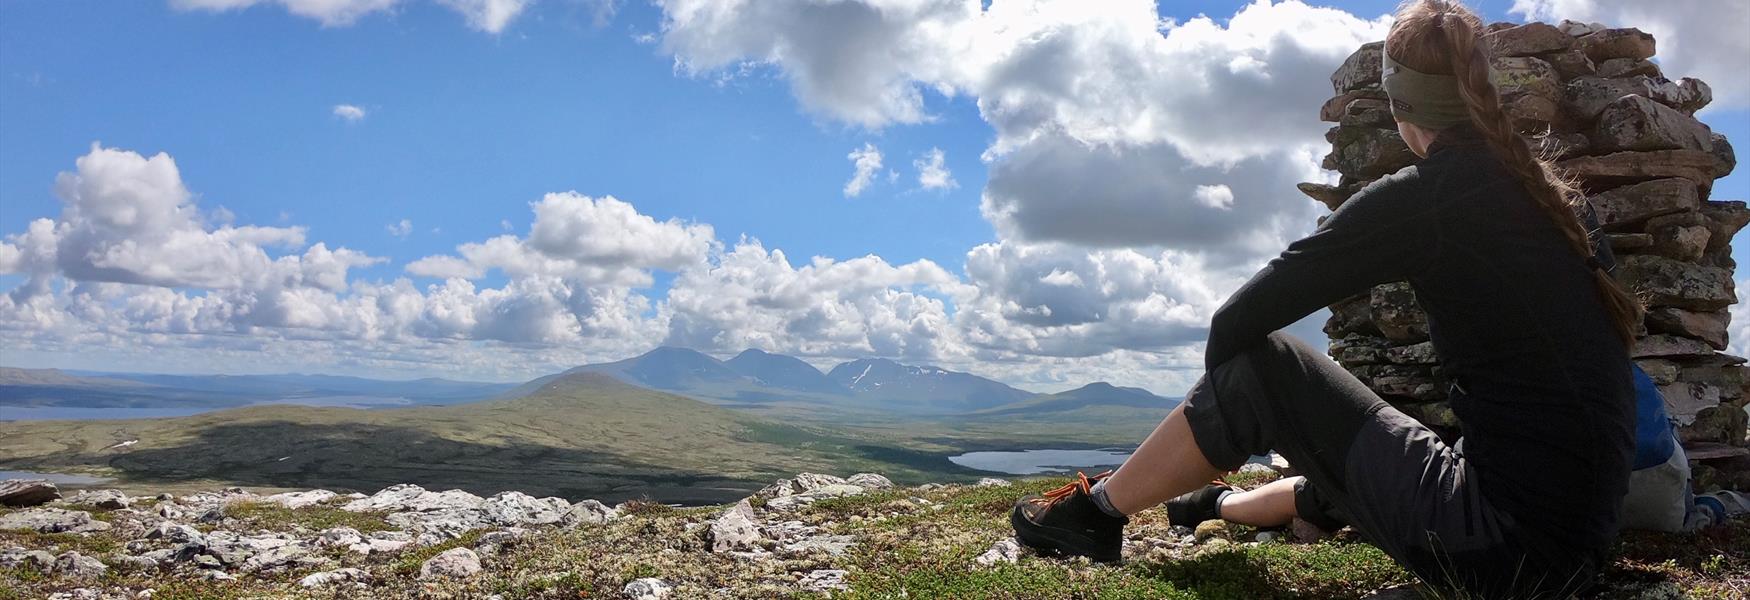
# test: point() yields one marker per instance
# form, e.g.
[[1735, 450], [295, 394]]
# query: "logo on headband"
[[1402, 106]]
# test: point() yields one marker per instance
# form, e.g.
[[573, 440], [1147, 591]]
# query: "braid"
[[1455, 28]]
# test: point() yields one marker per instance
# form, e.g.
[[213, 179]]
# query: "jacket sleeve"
[[1386, 232]]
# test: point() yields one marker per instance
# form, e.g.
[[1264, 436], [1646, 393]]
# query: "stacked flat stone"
[[1588, 97]]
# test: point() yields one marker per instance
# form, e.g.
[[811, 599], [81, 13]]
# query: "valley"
[[672, 425]]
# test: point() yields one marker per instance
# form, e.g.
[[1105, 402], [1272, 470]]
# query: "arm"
[[1384, 233]]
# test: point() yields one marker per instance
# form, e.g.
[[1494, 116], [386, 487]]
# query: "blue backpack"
[[1654, 439]]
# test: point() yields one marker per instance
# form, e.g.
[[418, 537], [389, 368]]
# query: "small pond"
[[1030, 462]]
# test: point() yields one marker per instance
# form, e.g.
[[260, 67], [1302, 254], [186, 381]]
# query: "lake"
[[1030, 462], [1033, 462], [55, 478]]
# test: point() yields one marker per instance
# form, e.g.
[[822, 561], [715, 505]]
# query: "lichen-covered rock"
[[107, 499], [300, 499], [328, 578], [1367, 152], [27, 492], [1003, 551], [736, 530], [1631, 205], [1670, 346], [647, 588], [1528, 40], [51, 520], [1628, 42], [824, 580], [1666, 282], [588, 512], [455, 563], [1394, 311], [870, 481], [1586, 97], [1360, 70], [1683, 236], [1638, 123], [1627, 167], [1570, 63], [1725, 158], [1629, 67], [1707, 326], [74, 565]]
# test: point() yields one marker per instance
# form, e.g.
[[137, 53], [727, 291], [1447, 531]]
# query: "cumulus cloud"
[[865, 163], [1697, 38], [596, 240], [490, 16], [349, 113], [932, 173], [400, 229]]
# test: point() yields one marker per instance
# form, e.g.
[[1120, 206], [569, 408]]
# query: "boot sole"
[[1047, 540]]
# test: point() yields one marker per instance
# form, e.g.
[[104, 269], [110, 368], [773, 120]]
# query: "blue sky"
[[735, 123]]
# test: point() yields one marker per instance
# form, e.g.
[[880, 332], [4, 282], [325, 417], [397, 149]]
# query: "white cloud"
[[490, 16], [349, 112], [332, 13], [580, 238], [1703, 39], [400, 229], [1739, 333], [1214, 196], [865, 161], [932, 173]]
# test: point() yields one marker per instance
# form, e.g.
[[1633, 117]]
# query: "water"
[[55, 478], [1030, 462]]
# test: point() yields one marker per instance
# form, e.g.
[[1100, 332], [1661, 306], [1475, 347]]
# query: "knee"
[[1272, 349]]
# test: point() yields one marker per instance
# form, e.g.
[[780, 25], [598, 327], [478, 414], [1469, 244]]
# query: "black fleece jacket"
[[1542, 383]]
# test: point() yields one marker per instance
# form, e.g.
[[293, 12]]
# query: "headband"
[[1431, 101]]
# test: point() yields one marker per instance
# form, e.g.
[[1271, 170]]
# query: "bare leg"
[[1167, 464], [1270, 505]]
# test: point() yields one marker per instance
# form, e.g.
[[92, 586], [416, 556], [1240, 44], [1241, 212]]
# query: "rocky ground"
[[810, 536]]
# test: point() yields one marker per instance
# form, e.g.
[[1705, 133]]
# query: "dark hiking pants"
[[1370, 466]]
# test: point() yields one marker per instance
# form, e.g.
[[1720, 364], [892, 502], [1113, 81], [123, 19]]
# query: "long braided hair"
[[1443, 37]]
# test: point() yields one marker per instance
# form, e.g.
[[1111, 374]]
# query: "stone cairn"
[[1588, 98]]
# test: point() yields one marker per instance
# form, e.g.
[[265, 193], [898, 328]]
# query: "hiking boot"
[[1196, 507], [1066, 521]]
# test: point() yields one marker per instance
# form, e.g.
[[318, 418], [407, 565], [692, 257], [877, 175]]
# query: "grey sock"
[[1220, 498], [1098, 493]]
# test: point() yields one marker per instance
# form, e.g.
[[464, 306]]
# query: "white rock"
[[327, 578], [452, 563], [176, 533], [111, 499], [300, 499], [517, 508], [52, 520], [737, 529], [78, 566], [407, 497], [648, 588], [873, 481], [587, 512], [1256, 469], [1004, 551], [824, 580], [992, 482], [801, 483]]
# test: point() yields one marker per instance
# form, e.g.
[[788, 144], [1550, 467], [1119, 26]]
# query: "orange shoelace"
[[1082, 483]]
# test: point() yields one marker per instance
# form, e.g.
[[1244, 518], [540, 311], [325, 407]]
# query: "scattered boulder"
[[1003, 551], [647, 588], [20, 557], [455, 563], [301, 499], [871, 481], [328, 578], [27, 492], [109, 499], [52, 520], [824, 580], [1628, 167], [1360, 70], [517, 508], [992, 482], [587, 512], [78, 566], [736, 530]]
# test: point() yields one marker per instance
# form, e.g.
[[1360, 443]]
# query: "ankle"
[[1219, 500], [1104, 502]]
